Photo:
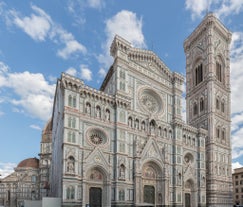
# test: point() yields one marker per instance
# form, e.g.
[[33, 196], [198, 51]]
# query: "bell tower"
[[208, 102]]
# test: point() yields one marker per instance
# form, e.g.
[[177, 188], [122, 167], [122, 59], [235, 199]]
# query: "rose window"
[[150, 101], [97, 136]]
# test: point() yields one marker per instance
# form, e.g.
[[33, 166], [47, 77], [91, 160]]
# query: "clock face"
[[150, 101]]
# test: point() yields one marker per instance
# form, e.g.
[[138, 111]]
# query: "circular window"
[[150, 101], [97, 136]]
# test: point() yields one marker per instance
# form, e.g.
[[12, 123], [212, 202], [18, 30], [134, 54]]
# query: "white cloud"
[[71, 71], [197, 7], [33, 126], [236, 165], [32, 93], [102, 72], [86, 73], [127, 25], [39, 26], [96, 4], [36, 26], [6, 169], [229, 7], [220, 8]]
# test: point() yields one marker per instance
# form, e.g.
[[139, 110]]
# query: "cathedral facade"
[[127, 144]]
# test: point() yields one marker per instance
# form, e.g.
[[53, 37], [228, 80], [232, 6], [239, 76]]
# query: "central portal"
[[149, 194], [95, 197], [187, 200]]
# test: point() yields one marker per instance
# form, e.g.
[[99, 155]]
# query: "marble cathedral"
[[127, 144]]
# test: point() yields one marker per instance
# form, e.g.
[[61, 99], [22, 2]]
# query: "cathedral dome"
[[30, 162], [47, 131]]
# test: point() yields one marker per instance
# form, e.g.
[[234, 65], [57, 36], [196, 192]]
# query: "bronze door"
[[149, 194], [95, 197], [187, 200]]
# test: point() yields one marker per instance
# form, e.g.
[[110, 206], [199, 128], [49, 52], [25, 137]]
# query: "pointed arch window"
[[201, 104], [219, 71], [70, 193], [223, 134], [72, 101], [195, 109], [122, 172], [199, 74], [218, 132], [222, 106], [217, 103]]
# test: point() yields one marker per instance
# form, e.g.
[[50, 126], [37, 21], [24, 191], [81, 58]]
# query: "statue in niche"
[[107, 115], [88, 108], [122, 172], [98, 113]]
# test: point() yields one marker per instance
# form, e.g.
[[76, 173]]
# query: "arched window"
[[195, 109], [218, 132], [122, 172], [217, 103], [70, 100], [222, 106], [198, 74], [70, 192], [73, 122], [219, 71], [165, 132], [201, 104], [223, 134], [70, 164], [121, 195], [74, 102]]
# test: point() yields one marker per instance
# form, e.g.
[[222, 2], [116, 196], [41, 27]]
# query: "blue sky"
[[41, 39]]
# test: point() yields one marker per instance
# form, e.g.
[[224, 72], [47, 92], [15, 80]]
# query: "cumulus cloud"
[[220, 8], [6, 169], [236, 165], [40, 27], [36, 26], [86, 73], [102, 72], [125, 24], [71, 71], [236, 93], [197, 7], [32, 93]]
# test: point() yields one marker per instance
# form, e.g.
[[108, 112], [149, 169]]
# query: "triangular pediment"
[[97, 157], [152, 151], [149, 63]]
